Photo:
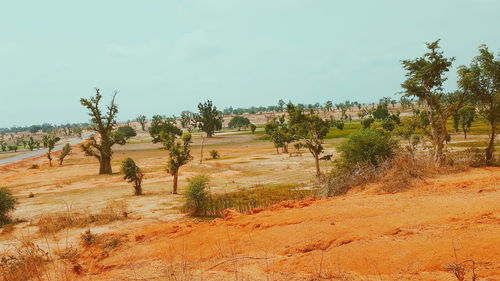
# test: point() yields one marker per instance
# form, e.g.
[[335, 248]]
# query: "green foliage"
[[253, 128], [7, 205], [208, 118], [179, 155], [310, 129], [381, 112], [424, 80], [133, 175], [339, 124], [66, 150], [466, 116], [482, 80], [126, 131], [214, 154], [50, 142], [186, 119], [279, 133], [238, 122], [367, 123], [367, 145], [141, 119], [196, 195], [163, 124]]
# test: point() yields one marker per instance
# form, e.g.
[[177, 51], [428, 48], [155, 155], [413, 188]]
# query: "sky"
[[166, 56]]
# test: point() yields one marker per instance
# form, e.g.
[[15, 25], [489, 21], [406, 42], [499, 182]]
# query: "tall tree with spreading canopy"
[[142, 121], [238, 122], [208, 119], [482, 80], [102, 122], [311, 130], [163, 124], [424, 79]]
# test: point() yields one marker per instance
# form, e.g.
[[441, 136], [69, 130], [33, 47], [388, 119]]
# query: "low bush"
[[214, 154], [367, 146], [133, 175], [196, 195], [26, 263], [7, 205], [392, 175]]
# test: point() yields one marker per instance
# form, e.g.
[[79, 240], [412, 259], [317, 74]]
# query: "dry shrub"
[[105, 241], [398, 174], [462, 160], [26, 263], [394, 174], [58, 221]]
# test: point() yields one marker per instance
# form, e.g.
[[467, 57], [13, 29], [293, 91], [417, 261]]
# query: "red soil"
[[411, 235]]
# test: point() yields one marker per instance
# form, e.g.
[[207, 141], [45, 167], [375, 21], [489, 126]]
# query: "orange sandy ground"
[[364, 235]]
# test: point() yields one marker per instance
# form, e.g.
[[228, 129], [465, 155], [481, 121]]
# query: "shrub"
[[368, 145], [7, 205], [196, 195], [133, 174], [253, 128], [214, 154], [126, 131], [367, 123], [34, 166]]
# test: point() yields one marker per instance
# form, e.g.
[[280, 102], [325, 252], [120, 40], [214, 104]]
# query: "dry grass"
[[55, 222], [25, 263]]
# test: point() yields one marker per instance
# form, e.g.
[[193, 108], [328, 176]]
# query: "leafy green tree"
[[66, 150], [238, 122], [51, 143], [424, 79], [467, 114], [482, 80], [281, 104], [208, 119], [163, 124], [12, 147], [7, 205], [126, 131], [32, 143], [253, 128], [369, 145], [186, 119], [279, 133], [456, 122], [141, 119], [328, 105], [102, 123], [179, 155], [311, 130], [133, 175], [381, 112]]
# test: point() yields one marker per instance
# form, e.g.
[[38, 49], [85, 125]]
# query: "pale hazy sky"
[[166, 56]]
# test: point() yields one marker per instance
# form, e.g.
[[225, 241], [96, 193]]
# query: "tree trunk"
[[316, 160], [439, 157], [491, 147], [176, 175], [61, 162], [105, 165], [201, 153]]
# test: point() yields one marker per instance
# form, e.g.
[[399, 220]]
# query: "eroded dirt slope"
[[363, 236]]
